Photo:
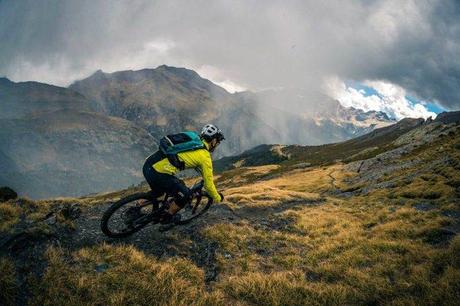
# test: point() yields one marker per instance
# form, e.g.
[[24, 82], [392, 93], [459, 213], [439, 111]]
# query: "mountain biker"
[[159, 172]]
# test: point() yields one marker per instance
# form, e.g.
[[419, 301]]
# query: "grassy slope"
[[294, 237], [366, 146]]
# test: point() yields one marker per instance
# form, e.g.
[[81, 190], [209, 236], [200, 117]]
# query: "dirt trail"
[[185, 240], [333, 179], [334, 189]]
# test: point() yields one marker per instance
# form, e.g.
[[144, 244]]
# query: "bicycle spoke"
[[128, 218]]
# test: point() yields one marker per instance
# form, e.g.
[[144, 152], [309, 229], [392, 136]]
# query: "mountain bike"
[[134, 212]]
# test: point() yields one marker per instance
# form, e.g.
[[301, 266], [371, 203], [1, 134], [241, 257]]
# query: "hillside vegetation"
[[366, 146], [381, 229]]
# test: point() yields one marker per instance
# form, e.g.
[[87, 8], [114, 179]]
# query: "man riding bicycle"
[[159, 170]]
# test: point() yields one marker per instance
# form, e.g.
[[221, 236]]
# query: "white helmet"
[[210, 132]]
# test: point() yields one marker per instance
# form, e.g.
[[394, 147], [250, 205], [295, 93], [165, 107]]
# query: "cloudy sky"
[[399, 56]]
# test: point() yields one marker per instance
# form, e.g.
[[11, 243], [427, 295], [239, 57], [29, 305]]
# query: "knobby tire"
[[114, 207]]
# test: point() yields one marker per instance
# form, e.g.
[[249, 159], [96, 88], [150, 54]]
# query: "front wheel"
[[128, 215], [199, 205]]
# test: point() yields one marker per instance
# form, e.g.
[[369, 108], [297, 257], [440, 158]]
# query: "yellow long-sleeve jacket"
[[200, 159]]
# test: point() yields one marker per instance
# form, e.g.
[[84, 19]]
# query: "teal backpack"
[[170, 145]]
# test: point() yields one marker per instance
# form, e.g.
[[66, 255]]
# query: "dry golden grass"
[[283, 288], [294, 186], [338, 255], [421, 189], [126, 277], [266, 195], [305, 180], [244, 248], [9, 215], [241, 176], [8, 285]]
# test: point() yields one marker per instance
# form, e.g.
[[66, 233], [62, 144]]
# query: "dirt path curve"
[[334, 188], [185, 240]]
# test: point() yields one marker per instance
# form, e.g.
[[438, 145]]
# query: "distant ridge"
[[448, 117], [372, 143]]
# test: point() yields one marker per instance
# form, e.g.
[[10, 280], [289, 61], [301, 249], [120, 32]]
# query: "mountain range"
[[169, 99], [95, 134]]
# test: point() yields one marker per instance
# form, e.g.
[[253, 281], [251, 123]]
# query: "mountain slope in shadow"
[[52, 143]]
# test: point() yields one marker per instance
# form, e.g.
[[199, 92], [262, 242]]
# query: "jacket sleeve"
[[206, 171]]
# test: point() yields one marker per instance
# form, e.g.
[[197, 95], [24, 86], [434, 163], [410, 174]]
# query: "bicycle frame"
[[195, 208], [197, 193]]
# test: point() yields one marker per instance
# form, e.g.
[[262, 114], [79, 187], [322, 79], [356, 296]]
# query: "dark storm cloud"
[[258, 44], [425, 56]]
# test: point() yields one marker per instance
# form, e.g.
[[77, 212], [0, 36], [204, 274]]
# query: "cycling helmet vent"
[[210, 132]]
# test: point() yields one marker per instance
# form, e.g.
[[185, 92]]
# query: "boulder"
[[6, 193]]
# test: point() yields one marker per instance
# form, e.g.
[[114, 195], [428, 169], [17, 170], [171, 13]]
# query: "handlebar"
[[198, 186], [197, 189]]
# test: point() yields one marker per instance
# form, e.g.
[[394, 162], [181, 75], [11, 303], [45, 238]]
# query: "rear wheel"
[[128, 215], [195, 209]]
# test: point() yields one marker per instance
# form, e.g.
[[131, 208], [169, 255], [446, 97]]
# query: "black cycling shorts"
[[161, 183]]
